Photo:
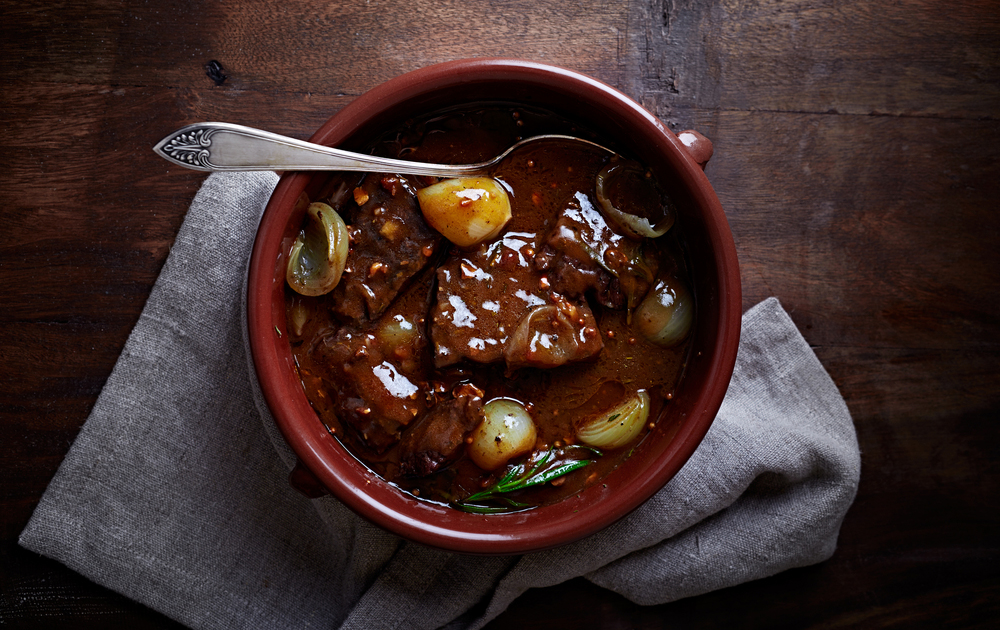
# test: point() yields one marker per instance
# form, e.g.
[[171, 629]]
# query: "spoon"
[[215, 146]]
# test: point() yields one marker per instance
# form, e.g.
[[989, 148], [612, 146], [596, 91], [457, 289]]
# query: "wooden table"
[[857, 154]]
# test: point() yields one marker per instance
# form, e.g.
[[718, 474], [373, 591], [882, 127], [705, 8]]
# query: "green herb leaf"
[[597, 258], [558, 471], [521, 476]]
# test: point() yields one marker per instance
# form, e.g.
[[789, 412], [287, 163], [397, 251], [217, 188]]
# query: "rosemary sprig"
[[521, 476]]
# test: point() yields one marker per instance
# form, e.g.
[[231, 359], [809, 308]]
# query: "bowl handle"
[[302, 479], [697, 145]]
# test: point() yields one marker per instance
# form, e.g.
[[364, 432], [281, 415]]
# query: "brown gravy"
[[399, 353]]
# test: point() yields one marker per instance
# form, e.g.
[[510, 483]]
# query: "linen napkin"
[[175, 492]]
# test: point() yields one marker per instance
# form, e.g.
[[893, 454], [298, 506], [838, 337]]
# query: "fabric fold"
[[175, 492]]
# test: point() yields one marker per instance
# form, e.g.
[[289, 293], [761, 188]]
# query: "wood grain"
[[855, 154], [330, 48], [902, 58]]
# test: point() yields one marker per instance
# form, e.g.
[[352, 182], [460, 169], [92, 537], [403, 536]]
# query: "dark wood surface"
[[857, 154]]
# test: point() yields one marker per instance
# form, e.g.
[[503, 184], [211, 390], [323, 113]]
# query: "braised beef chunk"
[[390, 243], [377, 375], [374, 392], [436, 439], [583, 254], [494, 305], [481, 297]]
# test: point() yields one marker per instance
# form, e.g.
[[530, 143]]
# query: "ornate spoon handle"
[[215, 146]]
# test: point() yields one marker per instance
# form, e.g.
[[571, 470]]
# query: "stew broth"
[[400, 357]]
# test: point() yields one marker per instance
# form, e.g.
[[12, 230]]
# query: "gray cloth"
[[175, 493]]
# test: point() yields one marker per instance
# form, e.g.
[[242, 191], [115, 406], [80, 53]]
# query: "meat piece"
[[372, 392], [377, 375], [481, 297], [583, 254], [390, 244], [494, 305], [436, 440]]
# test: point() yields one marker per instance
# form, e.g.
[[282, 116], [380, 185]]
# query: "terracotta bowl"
[[678, 162]]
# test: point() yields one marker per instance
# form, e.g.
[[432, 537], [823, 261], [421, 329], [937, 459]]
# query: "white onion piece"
[[617, 427], [319, 254], [466, 210], [633, 225], [545, 338], [665, 315], [507, 431]]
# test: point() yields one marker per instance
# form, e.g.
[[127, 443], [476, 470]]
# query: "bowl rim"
[[370, 496]]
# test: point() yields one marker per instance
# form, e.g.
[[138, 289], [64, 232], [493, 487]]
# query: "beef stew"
[[510, 373]]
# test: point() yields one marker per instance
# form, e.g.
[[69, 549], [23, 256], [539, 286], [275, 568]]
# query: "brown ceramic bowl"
[[594, 105]]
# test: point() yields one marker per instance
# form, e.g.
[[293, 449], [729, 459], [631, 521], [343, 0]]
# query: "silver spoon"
[[214, 146]]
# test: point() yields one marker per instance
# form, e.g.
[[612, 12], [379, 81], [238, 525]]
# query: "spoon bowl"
[[216, 146]]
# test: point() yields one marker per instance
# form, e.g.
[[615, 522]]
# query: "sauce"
[[399, 359]]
